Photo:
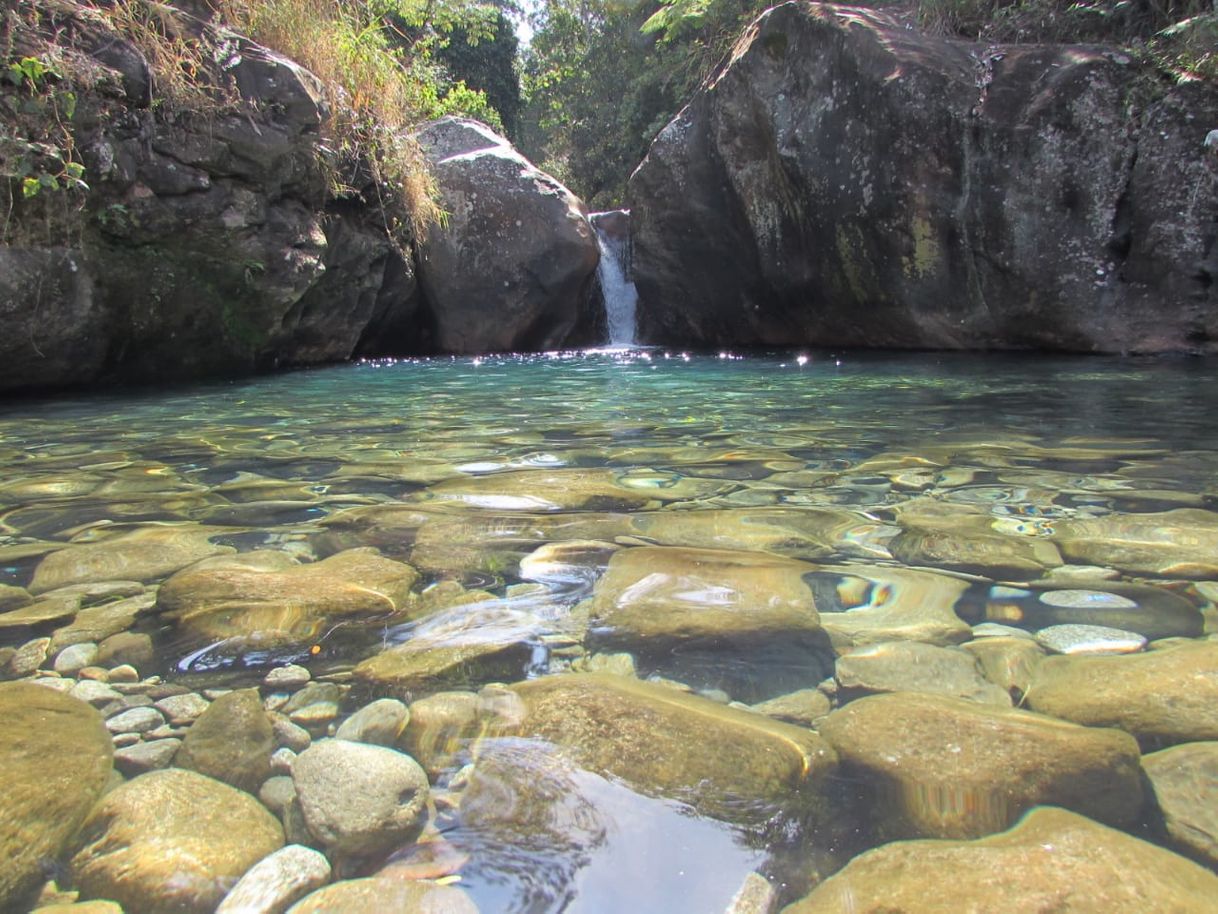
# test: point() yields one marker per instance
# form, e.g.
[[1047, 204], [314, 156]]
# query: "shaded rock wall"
[[209, 244], [843, 180]]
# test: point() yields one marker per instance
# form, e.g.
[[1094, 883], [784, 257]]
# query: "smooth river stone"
[[1162, 697], [1184, 780], [377, 896], [1052, 860], [546, 490], [797, 532], [1153, 612], [55, 756], [231, 741], [1089, 639], [270, 596], [440, 726], [727, 763], [880, 603], [171, 842], [12, 597], [909, 666], [275, 882], [805, 707], [379, 723], [1178, 544], [359, 799], [653, 598], [943, 767], [144, 554]]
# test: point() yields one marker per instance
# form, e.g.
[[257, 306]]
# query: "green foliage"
[[602, 77]]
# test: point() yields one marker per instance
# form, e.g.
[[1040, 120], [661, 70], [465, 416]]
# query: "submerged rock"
[[171, 842], [143, 554], [359, 799], [1089, 639], [270, 596], [272, 884], [1184, 781], [946, 768], [871, 604], [907, 666], [511, 265], [1154, 612], [55, 756], [1051, 860], [725, 762], [1164, 696], [375, 896], [1179, 544], [231, 741]]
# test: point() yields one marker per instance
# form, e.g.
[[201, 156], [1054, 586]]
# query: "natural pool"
[[674, 632]]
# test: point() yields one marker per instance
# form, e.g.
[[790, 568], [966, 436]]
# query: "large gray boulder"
[[513, 263], [844, 180]]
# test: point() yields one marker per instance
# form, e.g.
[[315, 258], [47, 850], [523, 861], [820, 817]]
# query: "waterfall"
[[618, 292]]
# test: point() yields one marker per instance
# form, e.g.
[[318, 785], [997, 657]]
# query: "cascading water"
[[620, 297]]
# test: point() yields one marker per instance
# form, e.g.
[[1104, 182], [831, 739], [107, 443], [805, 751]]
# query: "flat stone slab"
[[948, 768], [1053, 860]]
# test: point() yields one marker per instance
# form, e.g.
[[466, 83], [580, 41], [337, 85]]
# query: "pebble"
[[277, 881], [997, 630], [379, 723], [93, 692], [126, 647], [290, 677], [167, 732], [213, 694], [145, 687], [315, 717], [124, 673], [311, 693], [126, 703], [281, 761], [29, 657], [182, 709], [126, 739], [53, 682], [148, 755], [71, 660], [1089, 639], [136, 720], [289, 735], [99, 673], [276, 793], [275, 701]]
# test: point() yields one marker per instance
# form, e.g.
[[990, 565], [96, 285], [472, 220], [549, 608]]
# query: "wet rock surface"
[[1184, 782]]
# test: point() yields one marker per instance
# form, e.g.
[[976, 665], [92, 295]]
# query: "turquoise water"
[[464, 468]]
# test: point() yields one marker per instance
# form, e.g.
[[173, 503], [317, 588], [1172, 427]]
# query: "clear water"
[[1023, 442]]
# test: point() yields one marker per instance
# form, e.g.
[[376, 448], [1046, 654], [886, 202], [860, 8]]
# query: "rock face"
[[959, 769], [55, 756], [172, 841], [846, 181], [1053, 860], [517, 255], [206, 243]]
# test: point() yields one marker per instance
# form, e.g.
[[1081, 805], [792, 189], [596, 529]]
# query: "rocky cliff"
[[844, 180], [210, 240]]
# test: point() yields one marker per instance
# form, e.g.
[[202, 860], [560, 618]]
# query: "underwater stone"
[[1051, 860], [375, 896], [170, 842], [231, 741], [947, 768], [909, 666], [1089, 639], [1184, 780], [56, 756], [276, 881]]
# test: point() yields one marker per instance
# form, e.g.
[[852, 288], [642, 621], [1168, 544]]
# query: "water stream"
[[613, 273], [513, 510]]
